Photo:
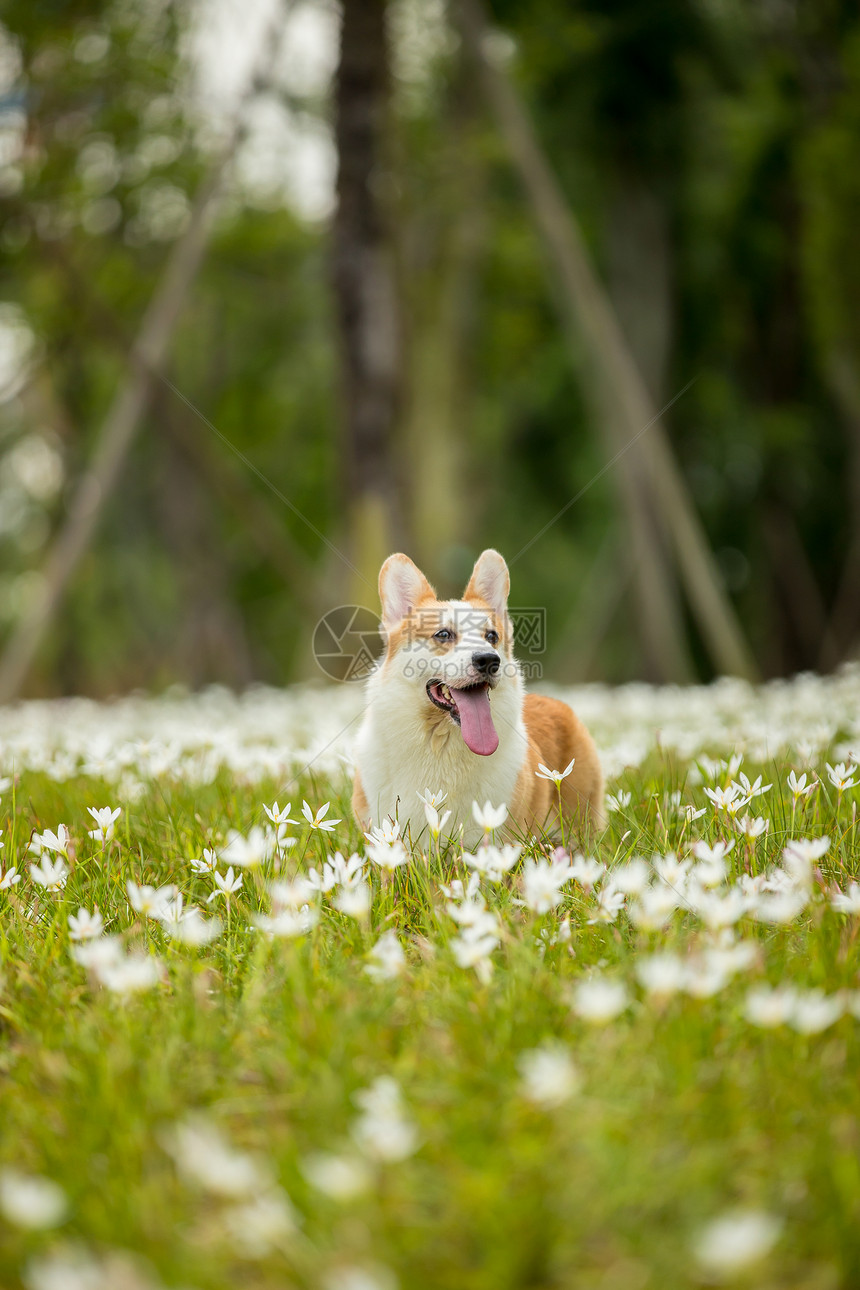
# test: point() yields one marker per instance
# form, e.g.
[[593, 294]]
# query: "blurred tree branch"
[[220, 471], [654, 496], [123, 418]]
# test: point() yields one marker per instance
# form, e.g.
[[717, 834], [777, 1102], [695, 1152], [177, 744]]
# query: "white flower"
[[280, 816], [293, 894], [599, 1000], [814, 1011], [83, 926], [672, 870], [476, 942], [609, 904], [105, 951], [586, 871], [277, 837], [489, 817], [68, 1268], [432, 799], [841, 776], [703, 979], [9, 879], [555, 775], [542, 883], [208, 863], [190, 928], [49, 841], [662, 974], [353, 900], [336, 870], [729, 799], [711, 854], [225, 886], [716, 910], [149, 901], [752, 826], [388, 831], [383, 1130], [494, 862], [810, 848], [729, 956], [655, 907], [471, 891], [768, 1008], [693, 813], [730, 1243], [799, 787], [779, 907], [804, 852], [470, 906], [130, 975], [205, 1157], [30, 1201], [340, 1177], [548, 1074], [388, 855], [319, 821], [708, 874], [104, 818], [435, 821], [50, 874], [288, 923], [262, 1224], [632, 877], [247, 851], [752, 790], [618, 801], [387, 959], [847, 902], [351, 1276]]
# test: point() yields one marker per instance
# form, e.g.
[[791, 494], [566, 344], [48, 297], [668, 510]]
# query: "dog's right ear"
[[402, 586]]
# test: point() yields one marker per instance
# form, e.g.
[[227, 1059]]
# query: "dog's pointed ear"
[[402, 586], [491, 582]]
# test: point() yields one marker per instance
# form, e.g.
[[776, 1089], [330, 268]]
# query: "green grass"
[[684, 1108]]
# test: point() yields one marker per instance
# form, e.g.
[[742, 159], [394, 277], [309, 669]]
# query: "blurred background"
[[286, 287]]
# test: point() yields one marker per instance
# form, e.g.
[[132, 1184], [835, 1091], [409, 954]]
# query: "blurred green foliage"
[[709, 152]]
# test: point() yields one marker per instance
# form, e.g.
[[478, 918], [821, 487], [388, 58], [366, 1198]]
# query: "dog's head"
[[457, 652]]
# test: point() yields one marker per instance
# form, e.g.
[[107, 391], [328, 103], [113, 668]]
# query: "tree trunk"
[[441, 244], [366, 291]]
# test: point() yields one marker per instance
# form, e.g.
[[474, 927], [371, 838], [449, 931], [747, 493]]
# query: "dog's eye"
[[443, 635], [492, 638]]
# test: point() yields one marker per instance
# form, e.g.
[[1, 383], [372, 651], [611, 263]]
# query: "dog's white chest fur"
[[399, 755]]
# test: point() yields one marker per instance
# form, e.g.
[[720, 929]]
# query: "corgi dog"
[[447, 712]]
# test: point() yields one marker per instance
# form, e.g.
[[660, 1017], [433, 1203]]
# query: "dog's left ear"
[[491, 582]]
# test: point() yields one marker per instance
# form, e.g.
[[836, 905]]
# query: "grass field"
[[636, 1066]]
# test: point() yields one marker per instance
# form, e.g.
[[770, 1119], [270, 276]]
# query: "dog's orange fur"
[[556, 735]]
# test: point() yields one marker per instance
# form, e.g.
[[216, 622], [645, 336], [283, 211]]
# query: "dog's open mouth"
[[469, 706]]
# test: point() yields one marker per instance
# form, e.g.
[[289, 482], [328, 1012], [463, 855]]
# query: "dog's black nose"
[[488, 664]]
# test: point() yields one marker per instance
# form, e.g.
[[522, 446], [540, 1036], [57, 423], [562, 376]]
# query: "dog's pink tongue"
[[476, 723]]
